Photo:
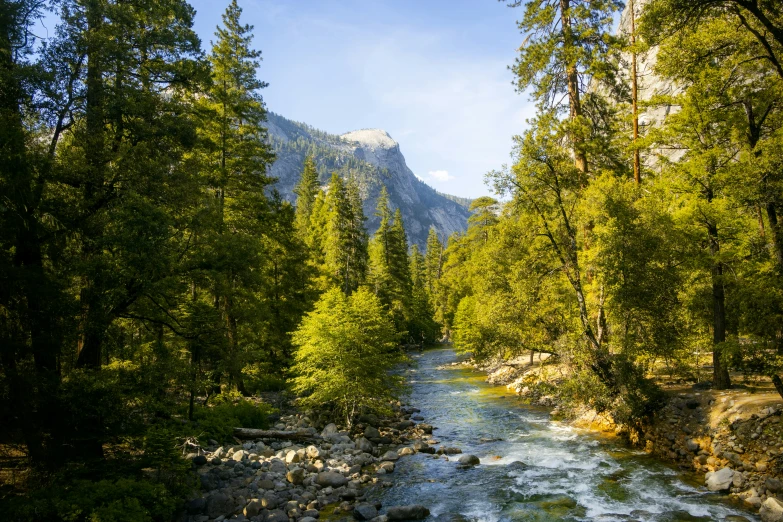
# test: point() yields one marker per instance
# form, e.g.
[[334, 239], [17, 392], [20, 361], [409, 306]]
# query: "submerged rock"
[[469, 460], [415, 512]]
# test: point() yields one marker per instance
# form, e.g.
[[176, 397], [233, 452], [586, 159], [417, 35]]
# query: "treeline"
[[150, 275], [623, 246]]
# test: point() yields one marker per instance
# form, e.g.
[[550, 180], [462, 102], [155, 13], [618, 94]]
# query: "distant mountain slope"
[[375, 159]]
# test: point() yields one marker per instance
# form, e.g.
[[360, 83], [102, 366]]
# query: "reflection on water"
[[534, 469]]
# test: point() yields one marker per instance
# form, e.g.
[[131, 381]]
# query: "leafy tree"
[[345, 349]]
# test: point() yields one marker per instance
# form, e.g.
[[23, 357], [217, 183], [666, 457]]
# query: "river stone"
[[266, 484], [771, 510], [292, 457], [720, 480], [219, 504], [404, 425], [692, 445], [307, 519], [295, 476], [269, 501], [773, 484], [196, 506], [469, 460], [331, 478], [253, 508], [372, 433], [402, 452], [390, 455], [364, 445], [364, 512], [277, 466], [313, 452], [426, 428], [329, 430], [238, 456], [277, 515], [199, 460], [386, 467], [415, 512]]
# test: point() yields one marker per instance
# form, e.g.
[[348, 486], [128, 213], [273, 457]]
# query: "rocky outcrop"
[[376, 160]]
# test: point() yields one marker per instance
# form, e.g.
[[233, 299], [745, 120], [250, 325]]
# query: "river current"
[[533, 468]]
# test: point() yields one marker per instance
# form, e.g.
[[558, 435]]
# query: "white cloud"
[[440, 175]]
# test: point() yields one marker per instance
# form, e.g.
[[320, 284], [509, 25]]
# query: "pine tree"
[[344, 246], [306, 191]]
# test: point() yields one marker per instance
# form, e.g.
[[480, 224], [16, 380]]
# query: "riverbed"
[[533, 468]]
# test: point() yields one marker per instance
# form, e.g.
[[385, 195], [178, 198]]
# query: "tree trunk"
[[572, 80], [720, 373], [250, 433], [776, 380], [776, 233]]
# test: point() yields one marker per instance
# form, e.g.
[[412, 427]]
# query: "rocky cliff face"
[[375, 159]]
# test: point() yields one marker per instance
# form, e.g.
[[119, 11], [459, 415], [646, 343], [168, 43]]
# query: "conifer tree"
[[306, 191], [344, 246]]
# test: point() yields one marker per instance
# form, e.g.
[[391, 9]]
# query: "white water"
[[566, 474]]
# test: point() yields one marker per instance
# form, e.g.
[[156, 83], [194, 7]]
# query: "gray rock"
[[386, 467], [364, 512], [402, 452], [277, 515], [219, 503], [295, 476], [331, 478], [307, 519], [313, 452], [720, 480], [199, 460], [329, 430], [773, 484], [426, 428], [390, 455], [196, 506], [469, 460], [415, 512], [253, 508], [364, 445], [692, 445], [372, 433], [404, 424], [771, 510]]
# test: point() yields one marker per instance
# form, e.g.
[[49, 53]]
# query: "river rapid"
[[539, 469]]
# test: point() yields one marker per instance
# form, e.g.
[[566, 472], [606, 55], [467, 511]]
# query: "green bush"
[[123, 500], [219, 420]]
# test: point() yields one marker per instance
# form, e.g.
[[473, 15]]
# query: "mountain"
[[375, 159]]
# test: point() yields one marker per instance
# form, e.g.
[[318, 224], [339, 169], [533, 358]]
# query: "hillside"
[[376, 160]]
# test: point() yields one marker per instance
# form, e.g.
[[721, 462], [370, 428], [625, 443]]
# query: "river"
[[565, 473]]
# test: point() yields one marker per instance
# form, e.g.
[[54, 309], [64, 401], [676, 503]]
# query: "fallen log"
[[251, 433]]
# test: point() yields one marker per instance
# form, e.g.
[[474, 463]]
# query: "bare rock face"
[[377, 161]]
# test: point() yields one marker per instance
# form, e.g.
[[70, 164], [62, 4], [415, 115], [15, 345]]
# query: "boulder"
[[238, 456], [404, 425], [313, 452], [390, 455], [277, 515], [253, 508], [364, 445], [426, 428], [331, 478], [386, 466], [771, 510], [295, 476], [219, 504], [293, 457], [364, 512], [469, 460], [196, 506], [402, 452], [773, 484], [415, 512], [329, 430], [692, 445], [720, 480], [307, 519], [372, 433], [199, 460]]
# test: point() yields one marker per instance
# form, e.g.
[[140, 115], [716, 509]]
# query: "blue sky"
[[433, 73]]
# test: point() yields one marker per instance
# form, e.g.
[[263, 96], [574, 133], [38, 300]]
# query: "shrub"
[[219, 420]]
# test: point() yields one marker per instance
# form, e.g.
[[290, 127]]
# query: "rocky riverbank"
[[326, 472], [734, 437]]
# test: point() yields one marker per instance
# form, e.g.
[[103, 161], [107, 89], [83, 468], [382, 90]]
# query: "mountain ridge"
[[375, 159]]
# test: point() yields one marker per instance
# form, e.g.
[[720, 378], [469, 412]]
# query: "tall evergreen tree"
[[306, 191]]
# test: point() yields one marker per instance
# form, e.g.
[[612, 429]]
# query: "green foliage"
[[228, 412], [345, 349]]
